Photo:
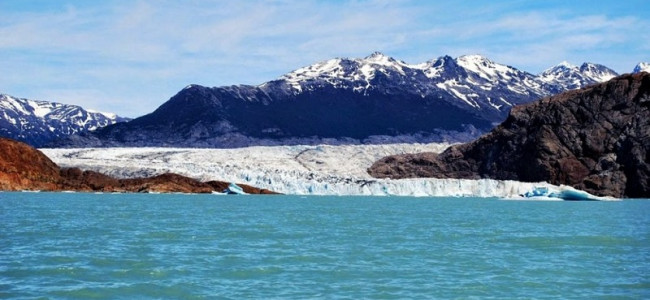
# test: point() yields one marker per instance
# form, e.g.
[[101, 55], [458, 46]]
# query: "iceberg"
[[562, 192], [234, 189], [538, 191]]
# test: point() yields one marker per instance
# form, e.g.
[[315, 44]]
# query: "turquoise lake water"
[[108, 246]]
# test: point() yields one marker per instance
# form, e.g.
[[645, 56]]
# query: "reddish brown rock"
[[25, 168], [78, 180], [596, 139]]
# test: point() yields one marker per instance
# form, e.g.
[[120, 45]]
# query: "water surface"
[[107, 246]]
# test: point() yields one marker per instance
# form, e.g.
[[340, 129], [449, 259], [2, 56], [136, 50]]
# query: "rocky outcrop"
[[25, 168], [595, 139]]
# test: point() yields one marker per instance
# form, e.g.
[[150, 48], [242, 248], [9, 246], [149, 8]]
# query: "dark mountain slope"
[[200, 116]]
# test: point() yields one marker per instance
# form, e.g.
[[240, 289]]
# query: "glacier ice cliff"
[[298, 170]]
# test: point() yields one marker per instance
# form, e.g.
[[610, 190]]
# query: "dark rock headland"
[[596, 139]]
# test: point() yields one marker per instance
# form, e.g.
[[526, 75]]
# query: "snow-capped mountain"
[[38, 122], [642, 67], [569, 77], [477, 81], [344, 100]]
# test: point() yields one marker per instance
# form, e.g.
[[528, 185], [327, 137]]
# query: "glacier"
[[295, 170]]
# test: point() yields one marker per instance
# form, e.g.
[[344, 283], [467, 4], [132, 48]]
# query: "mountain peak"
[[485, 68], [565, 64], [642, 67], [380, 59], [589, 65], [376, 55], [564, 67], [475, 62], [443, 60], [569, 76], [597, 72], [474, 58]]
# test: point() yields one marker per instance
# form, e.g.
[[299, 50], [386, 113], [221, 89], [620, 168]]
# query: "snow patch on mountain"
[[642, 67], [356, 74], [473, 79], [484, 67]]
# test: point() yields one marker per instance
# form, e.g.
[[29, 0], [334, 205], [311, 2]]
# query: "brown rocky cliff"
[[596, 139], [25, 168]]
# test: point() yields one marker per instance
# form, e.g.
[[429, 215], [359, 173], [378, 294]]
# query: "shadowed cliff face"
[[25, 168], [596, 139]]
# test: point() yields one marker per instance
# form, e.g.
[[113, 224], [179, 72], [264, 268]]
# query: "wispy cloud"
[[129, 57]]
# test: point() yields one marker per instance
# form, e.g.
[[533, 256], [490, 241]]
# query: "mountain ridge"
[[571, 77], [38, 122], [343, 100]]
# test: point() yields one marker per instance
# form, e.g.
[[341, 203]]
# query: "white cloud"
[[149, 50]]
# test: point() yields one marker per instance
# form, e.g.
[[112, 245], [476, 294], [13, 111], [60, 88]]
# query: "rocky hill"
[[596, 139], [25, 168], [38, 122], [376, 99]]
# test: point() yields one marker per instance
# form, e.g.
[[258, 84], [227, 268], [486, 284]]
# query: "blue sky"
[[129, 56]]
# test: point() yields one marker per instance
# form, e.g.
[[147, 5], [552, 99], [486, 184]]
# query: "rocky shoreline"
[[25, 168]]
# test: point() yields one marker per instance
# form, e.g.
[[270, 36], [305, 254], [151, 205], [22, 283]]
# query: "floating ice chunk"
[[562, 192], [234, 189]]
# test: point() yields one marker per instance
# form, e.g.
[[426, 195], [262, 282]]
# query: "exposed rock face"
[[596, 139], [25, 168]]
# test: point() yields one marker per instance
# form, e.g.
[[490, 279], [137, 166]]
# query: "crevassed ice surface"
[[297, 170]]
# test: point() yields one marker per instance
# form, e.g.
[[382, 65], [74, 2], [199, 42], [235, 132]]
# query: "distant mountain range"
[[39, 122], [569, 77], [376, 99]]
